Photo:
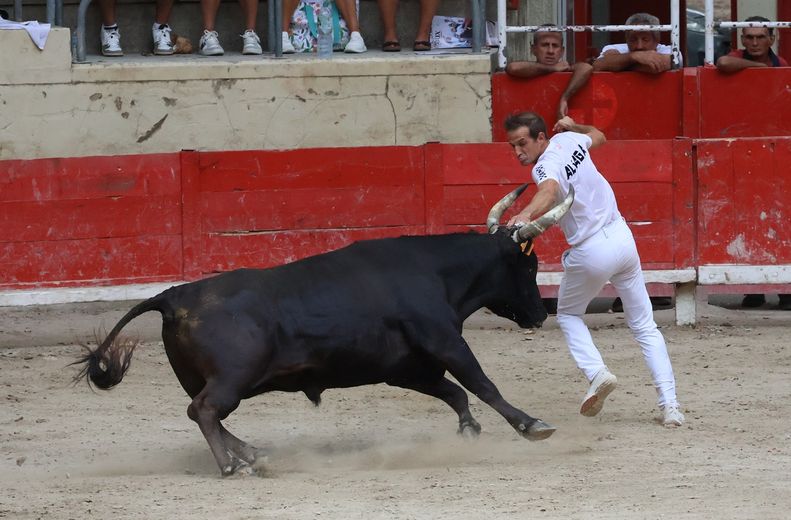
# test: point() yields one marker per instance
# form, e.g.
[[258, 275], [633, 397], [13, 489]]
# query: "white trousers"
[[611, 255]]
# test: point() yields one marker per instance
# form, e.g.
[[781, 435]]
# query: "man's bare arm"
[[731, 64], [567, 124], [533, 69], [650, 62], [544, 200], [580, 76]]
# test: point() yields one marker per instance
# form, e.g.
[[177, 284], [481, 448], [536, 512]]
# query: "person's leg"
[[348, 9], [209, 10], [164, 8], [249, 12], [289, 6], [107, 12], [387, 10], [630, 285], [428, 8]]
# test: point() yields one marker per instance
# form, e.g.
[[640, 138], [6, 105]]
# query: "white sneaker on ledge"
[[163, 41], [111, 41], [251, 43], [600, 388], [672, 416], [210, 44], [287, 47], [356, 43]]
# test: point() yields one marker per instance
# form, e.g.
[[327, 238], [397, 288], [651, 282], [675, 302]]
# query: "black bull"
[[378, 311]]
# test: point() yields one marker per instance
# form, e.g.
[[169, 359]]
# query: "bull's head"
[[523, 304]]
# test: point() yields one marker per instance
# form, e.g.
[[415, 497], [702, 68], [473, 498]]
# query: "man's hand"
[[562, 66], [651, 61], [563, 108], [564, 124], [519, 219]]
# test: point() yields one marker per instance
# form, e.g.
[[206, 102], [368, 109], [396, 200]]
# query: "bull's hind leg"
[[210, 406], [453, 395]]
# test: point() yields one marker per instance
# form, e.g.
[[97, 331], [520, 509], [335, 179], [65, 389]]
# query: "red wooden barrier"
[[90, 221], [625, 105], [750, 103]]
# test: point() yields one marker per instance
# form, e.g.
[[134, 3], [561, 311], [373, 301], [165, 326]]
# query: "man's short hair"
[[761, 19], [540, 34], [532, 121], [644, 19]]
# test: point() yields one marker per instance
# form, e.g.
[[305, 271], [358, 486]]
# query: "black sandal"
[[391, 46], [421, 45]]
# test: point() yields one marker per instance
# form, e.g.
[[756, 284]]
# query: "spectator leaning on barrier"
[[388, 9], [548, 49], [757, 52], [602, 249], [209, 44], [642, 52], [160, 31], [348, 10]]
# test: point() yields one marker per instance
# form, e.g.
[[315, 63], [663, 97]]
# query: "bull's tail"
[[106, 365]]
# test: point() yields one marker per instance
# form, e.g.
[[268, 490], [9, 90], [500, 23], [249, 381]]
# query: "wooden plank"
[[326, 168], [190, 215], [148, 258], [103, 217], [89, 177], [434, 187], [311, 209]]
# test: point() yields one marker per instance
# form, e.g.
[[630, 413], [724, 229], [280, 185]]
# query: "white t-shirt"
[[624, 48], [567, 161]]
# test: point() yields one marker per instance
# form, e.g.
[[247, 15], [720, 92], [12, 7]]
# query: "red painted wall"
[[624, 105]]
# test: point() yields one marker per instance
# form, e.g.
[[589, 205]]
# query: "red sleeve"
[[783, 63], [736, 54]]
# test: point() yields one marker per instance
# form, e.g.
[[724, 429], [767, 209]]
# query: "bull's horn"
[[535, 227], [493, 220]]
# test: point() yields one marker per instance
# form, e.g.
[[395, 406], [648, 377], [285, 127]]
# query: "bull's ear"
[[527, 247]]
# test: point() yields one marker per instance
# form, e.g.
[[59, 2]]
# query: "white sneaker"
[[111, 41], [210, 44], [251, 43], [356, 43], [600, 388], [287, 47], [163, 41], [673, 416]]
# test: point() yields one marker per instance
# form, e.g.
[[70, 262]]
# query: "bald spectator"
[[642, 52], [550, 54], [757, 52]]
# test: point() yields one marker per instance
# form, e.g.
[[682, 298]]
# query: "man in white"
[[642, 52], [602, 250]]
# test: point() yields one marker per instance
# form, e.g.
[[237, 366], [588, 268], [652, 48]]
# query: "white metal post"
[[708, 59], [501, 26]]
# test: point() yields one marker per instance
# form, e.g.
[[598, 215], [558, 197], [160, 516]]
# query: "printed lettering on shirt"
[[577, 157], [540, 173]]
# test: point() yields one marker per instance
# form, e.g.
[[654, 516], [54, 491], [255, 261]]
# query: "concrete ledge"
[[237, 66], [744, 274], [22, 63]]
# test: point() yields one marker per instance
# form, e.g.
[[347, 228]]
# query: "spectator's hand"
[[650, 59], [562, 66], [563, 108], [564, 124]]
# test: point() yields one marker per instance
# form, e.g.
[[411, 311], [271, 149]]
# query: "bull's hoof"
[[469, 432], [537, 431], [239, 470]]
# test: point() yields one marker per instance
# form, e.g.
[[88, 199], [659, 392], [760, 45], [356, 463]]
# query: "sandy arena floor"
[[377, 452]]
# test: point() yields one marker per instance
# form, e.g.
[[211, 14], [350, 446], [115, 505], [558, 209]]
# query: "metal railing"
[[711, 26], [673, 28]]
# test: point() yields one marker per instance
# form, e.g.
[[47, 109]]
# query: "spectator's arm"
[[580, 76], [567, 124], [731, 64], [533, 69], [650, 62]]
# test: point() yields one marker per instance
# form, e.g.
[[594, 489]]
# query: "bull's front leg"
[[459, 360]]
